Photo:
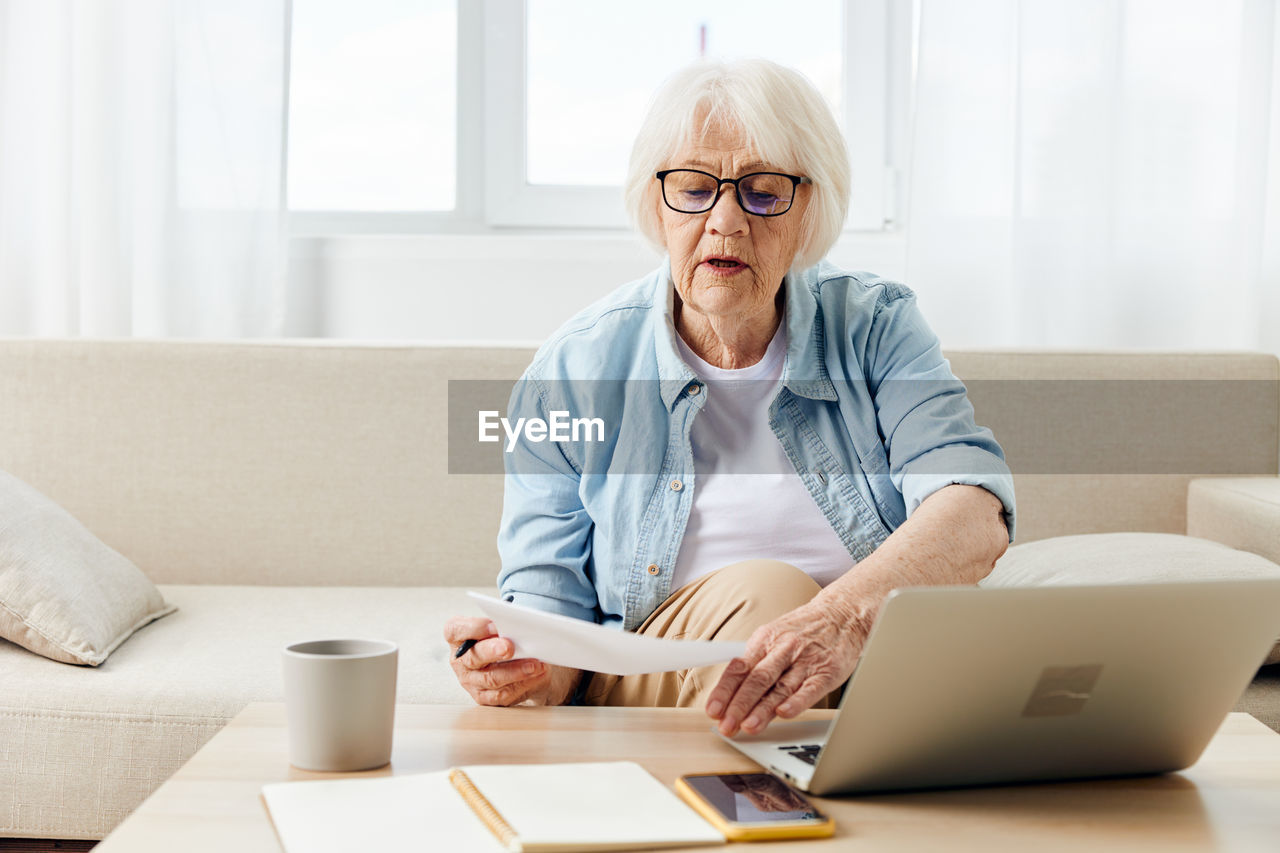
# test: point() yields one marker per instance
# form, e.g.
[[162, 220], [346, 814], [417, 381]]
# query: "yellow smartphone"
[[753, 806]]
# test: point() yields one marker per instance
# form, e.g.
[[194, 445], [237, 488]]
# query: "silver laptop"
[[967, 686]]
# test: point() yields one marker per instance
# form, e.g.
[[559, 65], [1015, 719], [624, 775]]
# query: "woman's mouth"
[[723, 265]]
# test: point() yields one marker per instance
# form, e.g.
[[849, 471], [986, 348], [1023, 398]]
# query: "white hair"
[[779, 113]]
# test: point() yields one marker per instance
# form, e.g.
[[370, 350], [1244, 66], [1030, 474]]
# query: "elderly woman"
[[786, 442]]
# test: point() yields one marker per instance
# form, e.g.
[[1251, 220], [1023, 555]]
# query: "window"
[[372, 105], [456, 115], [580, 127]]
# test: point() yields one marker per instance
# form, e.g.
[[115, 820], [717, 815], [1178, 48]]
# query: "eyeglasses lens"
[[766, 195], [694, 192]]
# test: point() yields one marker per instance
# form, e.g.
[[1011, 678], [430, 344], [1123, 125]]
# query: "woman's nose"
[[727, 217]]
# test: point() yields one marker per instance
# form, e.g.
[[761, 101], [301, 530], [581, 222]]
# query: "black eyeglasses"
[[760, 193]]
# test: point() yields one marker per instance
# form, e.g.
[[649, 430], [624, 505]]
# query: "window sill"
[[508, 287]]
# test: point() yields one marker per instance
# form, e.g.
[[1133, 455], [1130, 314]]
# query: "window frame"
[[492, 191]]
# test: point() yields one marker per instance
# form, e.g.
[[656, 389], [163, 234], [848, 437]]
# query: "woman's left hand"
[[790, 664]]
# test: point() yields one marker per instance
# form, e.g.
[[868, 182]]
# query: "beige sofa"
[[285, 491]]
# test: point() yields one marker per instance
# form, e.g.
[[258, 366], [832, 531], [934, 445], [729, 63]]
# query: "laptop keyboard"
[[807, 753]]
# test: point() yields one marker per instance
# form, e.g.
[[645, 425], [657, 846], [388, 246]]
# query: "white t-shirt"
[[748, 501]]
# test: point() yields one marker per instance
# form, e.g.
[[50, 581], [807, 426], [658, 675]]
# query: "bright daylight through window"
[[580, 126], [372, 105], [381, 108]]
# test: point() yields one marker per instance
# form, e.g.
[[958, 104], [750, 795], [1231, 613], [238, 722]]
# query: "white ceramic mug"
[[340, 697]]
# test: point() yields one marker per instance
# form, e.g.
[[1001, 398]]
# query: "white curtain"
[[141, 167], [1097, 173]]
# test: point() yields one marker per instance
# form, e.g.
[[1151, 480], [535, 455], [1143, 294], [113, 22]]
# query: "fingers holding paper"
[[790, 664], [486, 670], [489, 674]]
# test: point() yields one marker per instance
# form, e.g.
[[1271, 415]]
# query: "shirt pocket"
[[874, 462], [836, 477], [867, 451]]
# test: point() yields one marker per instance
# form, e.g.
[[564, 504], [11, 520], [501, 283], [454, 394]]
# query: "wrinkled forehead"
[[715, 137]]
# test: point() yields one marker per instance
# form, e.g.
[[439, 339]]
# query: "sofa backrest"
[[326, 463], [257, 463], [1103, 442]]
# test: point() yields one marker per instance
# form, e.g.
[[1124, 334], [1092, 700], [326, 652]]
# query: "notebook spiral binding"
[[484, 809]]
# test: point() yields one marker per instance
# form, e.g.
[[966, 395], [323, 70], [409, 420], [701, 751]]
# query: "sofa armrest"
[[1243, 512]]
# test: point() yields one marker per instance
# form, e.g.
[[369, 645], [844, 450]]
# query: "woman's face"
[[727, 264]]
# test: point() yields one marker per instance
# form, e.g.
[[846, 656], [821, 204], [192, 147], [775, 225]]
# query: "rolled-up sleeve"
[[924, 413], [545, 538]]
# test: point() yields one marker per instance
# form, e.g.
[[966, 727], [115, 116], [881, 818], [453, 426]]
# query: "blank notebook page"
[[595, 805], [418, 812]]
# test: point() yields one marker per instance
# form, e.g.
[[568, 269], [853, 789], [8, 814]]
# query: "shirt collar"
[[673, 374], [805, 373]]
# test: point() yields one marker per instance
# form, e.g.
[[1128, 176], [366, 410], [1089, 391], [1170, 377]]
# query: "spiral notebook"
[[516, 808]]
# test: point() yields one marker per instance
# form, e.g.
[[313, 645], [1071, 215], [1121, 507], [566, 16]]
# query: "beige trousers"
[[728, 604]]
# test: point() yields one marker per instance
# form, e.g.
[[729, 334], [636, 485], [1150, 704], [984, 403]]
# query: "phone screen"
[[753, 798]]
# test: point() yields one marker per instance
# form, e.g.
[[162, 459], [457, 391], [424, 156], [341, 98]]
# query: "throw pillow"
[[1100, 558], [63, 593]]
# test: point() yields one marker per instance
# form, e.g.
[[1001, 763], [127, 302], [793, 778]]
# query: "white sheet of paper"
[[564, 641]]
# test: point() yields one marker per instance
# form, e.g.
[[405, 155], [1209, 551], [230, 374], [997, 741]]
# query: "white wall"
[[496, 288]]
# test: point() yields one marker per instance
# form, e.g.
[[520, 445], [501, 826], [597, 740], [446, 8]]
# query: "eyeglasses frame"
[[796, 180]]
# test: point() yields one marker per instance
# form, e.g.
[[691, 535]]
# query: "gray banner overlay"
[[1181, 427]]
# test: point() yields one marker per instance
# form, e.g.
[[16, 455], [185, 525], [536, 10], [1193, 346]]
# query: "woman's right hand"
[[491, 677]]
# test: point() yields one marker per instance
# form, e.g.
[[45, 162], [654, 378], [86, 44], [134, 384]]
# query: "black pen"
[[466, 646]]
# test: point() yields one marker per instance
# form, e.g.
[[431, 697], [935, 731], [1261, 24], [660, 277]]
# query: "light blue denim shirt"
[[868, 412]]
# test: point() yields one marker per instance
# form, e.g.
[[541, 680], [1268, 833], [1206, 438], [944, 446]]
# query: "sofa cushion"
[[89, 745], [1102, 558], [63, 593]]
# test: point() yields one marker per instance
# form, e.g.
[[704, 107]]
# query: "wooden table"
[[1230, 800]]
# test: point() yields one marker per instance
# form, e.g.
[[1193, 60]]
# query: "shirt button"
[[653, 569], [676, 485], [694, 389]]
